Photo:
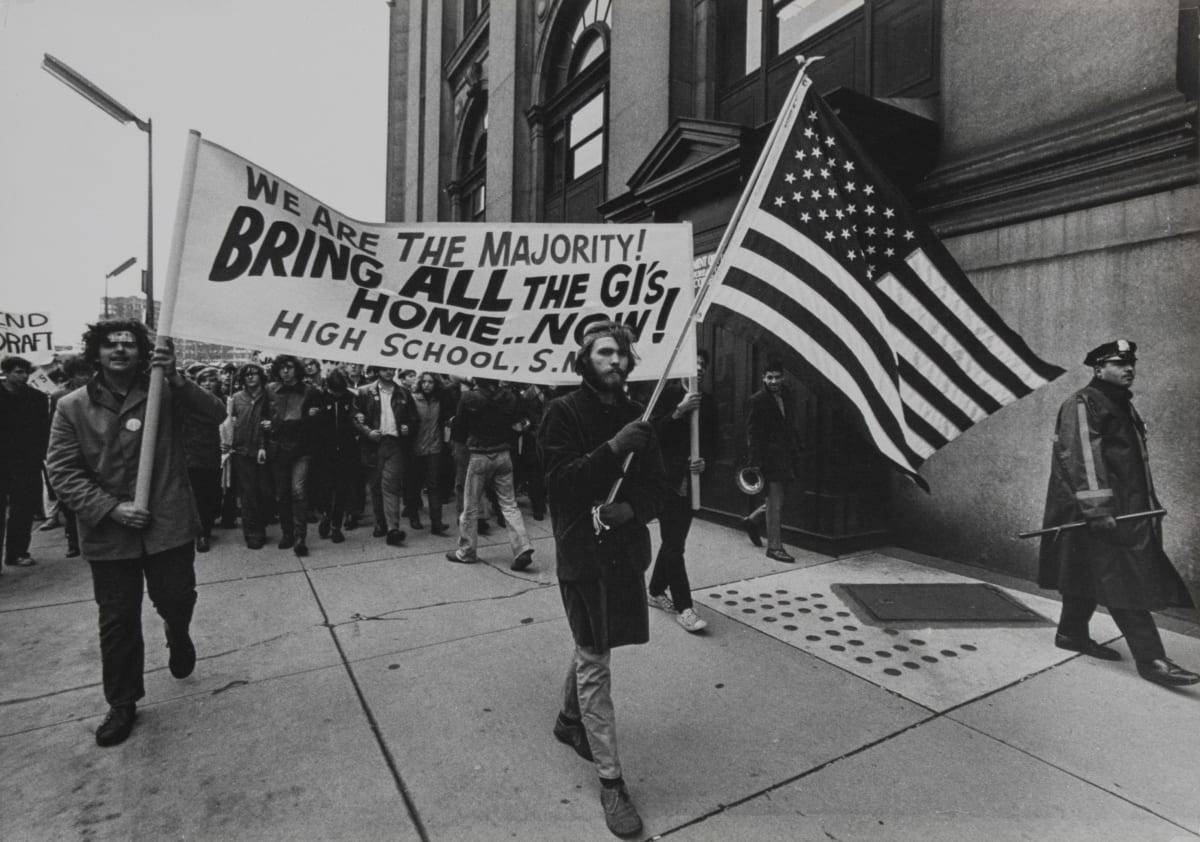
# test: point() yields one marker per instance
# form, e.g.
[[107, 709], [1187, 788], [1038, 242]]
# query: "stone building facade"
[[1052, 144]]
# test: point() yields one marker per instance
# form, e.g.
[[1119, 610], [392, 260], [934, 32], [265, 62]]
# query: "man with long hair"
[[93, 465], [603, 549]]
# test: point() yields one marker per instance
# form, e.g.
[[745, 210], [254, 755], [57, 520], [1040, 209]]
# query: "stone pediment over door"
[[692, 158]]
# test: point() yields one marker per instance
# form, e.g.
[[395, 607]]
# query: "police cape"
[[1099, 466]]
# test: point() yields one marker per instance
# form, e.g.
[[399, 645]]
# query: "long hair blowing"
[[96, 333]]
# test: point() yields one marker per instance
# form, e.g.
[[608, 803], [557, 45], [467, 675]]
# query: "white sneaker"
[[661, 602], [690, 620]]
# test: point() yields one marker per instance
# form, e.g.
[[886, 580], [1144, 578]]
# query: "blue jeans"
[[497, 469]]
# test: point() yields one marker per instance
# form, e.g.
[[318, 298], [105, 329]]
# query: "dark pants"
[[290, 472], [206, 487], [170, 580], [674, 522], [341, 476], [255, 489], [71, 526], [530, 474], [20, 499], [1136, 624], [426, 472]]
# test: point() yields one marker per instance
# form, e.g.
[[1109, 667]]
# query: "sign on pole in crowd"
[[829, 268], [264, 265], [27, 335]]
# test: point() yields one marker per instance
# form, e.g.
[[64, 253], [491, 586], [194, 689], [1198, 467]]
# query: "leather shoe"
[[1086, 646], [1166, 672], [336, 536], [571, 733], [286, 542], [202, 544], [439, 529], [254, 543], [415, 522], [324, 527], [379, 531], [300, 548], [619, 813], [183, 654], [752, 530], [522, 561], [395, 537], [117, 725], [780, 555], [453, 555]]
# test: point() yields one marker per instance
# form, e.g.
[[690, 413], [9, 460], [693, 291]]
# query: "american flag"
[[828, 261]]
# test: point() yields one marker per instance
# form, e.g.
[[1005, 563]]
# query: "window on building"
[[577, 114], [882, 48], [471, 11], [472, 166]]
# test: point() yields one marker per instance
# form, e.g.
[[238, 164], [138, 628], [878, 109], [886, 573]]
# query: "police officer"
[[1099, 471]]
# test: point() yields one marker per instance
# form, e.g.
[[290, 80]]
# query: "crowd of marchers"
[[308, 442], [300, 442]]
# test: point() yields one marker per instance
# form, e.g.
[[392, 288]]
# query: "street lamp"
[[78, 83], [113, 274]]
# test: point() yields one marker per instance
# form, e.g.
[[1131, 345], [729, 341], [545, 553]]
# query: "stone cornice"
[[1147, 148]]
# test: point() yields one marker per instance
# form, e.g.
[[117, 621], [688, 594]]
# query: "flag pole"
[[154, 399], [789, 105]]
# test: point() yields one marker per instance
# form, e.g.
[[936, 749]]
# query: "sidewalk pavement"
[[370, 692]]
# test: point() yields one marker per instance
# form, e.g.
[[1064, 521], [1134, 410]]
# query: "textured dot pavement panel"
[[938, 666]]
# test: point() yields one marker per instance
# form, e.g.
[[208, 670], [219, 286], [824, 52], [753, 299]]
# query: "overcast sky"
[[296, 86]]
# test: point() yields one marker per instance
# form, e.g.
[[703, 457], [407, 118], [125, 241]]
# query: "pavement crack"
[[236, 683], [391, 614]]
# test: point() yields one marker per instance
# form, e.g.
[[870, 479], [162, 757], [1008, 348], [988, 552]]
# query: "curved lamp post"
[[113, 274], [78, 83]]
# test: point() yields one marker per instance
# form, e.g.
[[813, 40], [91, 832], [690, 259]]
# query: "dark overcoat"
[[580, 470], [772, 443], [1099, 466], [95, 444]]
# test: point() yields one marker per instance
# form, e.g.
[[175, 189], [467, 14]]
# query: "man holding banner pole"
[[96, 468]]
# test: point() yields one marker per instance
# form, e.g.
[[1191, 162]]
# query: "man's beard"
[[602, 384]]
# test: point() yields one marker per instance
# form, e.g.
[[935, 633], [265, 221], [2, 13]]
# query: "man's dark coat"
[[1099, 466]]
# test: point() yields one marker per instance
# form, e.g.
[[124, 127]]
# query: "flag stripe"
[[852, 302], [914, 382], [953, 275], [849, 323], [827, 333], [938, 319], [929, 356], [928, 434], [750, 317], [970, 316]]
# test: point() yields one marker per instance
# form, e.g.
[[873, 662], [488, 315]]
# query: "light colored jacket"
[[95, 443]]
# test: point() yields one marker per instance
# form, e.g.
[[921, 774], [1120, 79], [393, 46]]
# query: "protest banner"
[[27, 335], [266, 266]]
